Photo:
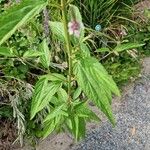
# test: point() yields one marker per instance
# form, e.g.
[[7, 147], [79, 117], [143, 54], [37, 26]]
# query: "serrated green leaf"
[[43, 93], [58, 30], [55, 77], [127, 46], [56, 112], [32, 53], [84, 48], [48, 128], [84, 112], [21, 14], [75, 13], [96, 83], [104, 49], [76, 121], [62, 95], [77, 93], [4, 51], [38, 96], [46, 57], [82, 128], [77, 127]]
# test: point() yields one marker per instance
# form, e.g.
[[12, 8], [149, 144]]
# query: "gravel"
[[132, 131]]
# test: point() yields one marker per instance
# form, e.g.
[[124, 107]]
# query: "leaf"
[[57, 111], [84, 48], [18, 15], [78, 127], [96, 83], [104, 49], [123, 47], [43, 93], [84, 112], [82, 128], [55, 77], [32, 53], [48, 128], [4, 51], [77, 93], [58, 30], [62, 95], [46, 57], [51, 125], [74, 11]]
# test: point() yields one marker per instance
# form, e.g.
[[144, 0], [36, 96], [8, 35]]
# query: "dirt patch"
[[7, 134]]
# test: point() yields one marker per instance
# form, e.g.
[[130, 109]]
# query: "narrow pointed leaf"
[[32, 53], [57, 30], [78, 127], [48, 128], [104, 49], [46, 57], [84, 112], [62, 95], [4, 51], [43, 93], [55, 77], [77, 93], [17, 16], [127, 46], [54, 113]]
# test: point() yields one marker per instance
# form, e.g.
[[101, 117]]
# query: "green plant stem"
[[68, 45]]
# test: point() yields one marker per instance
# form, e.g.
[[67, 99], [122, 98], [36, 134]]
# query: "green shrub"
[[57, 102]]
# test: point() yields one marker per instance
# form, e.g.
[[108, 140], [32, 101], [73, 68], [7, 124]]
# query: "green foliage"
[[86, 71], [32, 53], [95, 83], [44, 92], [94, 12], [5, 111], [22, 12], [55, 77], [57, 30], [123, 47], [141, 35], [4, 51], [123, 68], [45, 58]]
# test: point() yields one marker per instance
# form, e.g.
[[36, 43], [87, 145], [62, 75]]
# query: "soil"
[[7, 134]]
